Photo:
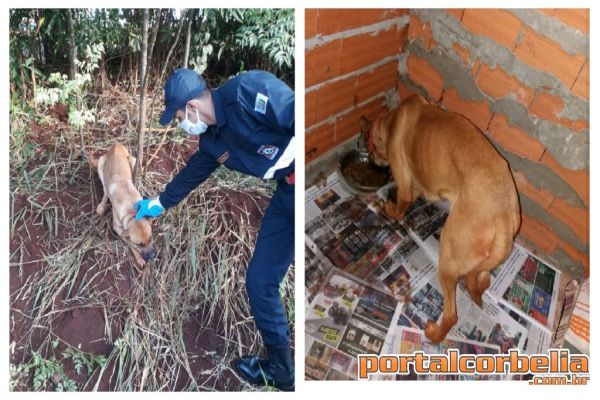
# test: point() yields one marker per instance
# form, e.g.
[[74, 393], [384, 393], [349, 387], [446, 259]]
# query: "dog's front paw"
[[390, 210], [432, 331], [139, 262]]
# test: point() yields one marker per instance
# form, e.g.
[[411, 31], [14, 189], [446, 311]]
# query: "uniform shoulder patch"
[[260, 105], [224, 157], [268, 151]]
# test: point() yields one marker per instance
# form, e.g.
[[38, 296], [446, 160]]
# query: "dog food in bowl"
[[360, 173]]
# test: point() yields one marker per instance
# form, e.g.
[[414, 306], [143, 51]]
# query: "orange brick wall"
[[351, 62], [541, 85]]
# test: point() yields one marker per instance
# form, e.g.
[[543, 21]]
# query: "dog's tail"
[[92, 160]]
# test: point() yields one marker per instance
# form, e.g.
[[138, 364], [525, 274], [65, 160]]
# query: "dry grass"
[[199, 275]]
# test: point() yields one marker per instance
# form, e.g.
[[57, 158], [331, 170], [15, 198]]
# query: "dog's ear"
[[365, 126]]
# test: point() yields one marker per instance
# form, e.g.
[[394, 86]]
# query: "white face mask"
[[191, 128]]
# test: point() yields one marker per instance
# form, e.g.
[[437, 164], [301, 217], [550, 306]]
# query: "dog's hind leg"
[[434, 332], [477, 282], [132, 160], [101, 208]]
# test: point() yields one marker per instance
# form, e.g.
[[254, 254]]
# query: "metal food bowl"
[[373, 176]]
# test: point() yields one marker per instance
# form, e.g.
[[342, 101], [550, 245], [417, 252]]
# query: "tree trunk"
[[153, 36], [160, 77], [143, 83], [102, 73], [72, 46], [188, 39]]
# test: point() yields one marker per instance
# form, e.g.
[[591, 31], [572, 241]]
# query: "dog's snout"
[[149, 255]]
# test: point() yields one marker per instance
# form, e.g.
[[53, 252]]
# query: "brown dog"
[[442, 155], [115, 171]]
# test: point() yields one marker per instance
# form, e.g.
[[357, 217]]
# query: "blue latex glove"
[[148, 208]]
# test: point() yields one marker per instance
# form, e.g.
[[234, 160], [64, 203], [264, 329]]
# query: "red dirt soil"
[[84, 325]]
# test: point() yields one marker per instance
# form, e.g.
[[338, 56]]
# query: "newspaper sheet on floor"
[[369, 279], [409, 340], [524, 287]]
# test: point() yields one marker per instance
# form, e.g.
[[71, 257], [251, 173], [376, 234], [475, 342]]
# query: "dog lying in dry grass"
[[115, 169], [442, 155]]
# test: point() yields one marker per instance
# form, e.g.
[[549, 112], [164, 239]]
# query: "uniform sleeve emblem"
[[224, 157], [268, 151], [260, 105]]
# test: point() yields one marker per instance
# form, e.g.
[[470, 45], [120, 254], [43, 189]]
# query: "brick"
[[310, 107], [549, 107], [379, 80], [513, 139], [499, 25], [318, 141], [578, 18], [581, 87], [577, 219], [548, 241], [542, 53], [456, 12], [333, 20], [579, 180], [423, 74], [349, 125], [323, 63], [538, 233], [543, 197], [310, 23], [418, 30], [335, 97], [464, 53], [497, 83], [362, 50], [478, 112]]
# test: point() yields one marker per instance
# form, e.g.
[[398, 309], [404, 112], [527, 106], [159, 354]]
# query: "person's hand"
[[148, 208]]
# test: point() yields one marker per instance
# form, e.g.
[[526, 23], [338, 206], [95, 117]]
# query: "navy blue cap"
[[182, 86]]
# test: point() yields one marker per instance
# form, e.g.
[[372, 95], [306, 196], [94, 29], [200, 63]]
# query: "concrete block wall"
[[521, 76]]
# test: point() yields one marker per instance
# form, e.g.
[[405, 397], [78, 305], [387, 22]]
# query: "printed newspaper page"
[[371, 280]]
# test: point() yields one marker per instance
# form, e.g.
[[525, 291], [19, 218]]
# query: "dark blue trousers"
[[273, 254]]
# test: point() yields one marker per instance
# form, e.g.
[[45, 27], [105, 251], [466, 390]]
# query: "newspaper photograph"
[[362, 337], [376, 307], [538, 340], [331, 308], [316, 270], [425, 305], [488, 324], [527, 285], [323, 362]]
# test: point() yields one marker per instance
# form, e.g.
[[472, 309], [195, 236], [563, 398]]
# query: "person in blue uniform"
[[246, 124]]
